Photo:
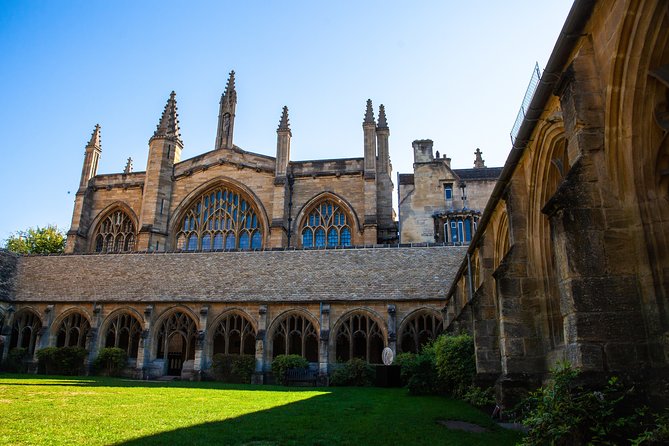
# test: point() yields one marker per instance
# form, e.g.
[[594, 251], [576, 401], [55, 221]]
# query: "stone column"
[[92, 337], [323, 350], [261, 339], [200, 360], [144, 348], [392, 328]]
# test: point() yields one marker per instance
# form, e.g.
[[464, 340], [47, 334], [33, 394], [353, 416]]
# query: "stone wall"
[[8, 263]]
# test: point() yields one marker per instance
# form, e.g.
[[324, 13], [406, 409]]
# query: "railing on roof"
[[529, 94]]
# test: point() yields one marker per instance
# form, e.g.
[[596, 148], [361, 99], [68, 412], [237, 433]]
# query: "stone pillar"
[[261, 339], [144, 349], [92, 337], [7, 333], [392, 328], [200, 362], [323, 350]]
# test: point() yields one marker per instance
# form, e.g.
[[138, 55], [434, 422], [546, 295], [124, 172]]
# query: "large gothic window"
[[124, 331], [73, 330], [326, 225], [359, 336], [221, 218], [295, 335], [234, 335], [420, 329], [115, 233], [25, 329], [177, 336]]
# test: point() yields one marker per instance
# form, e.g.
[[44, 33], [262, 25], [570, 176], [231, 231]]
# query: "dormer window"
[[448, 195]]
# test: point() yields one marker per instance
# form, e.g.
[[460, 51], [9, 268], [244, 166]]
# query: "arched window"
[[326, 225], [295, 335], [115, 233], [418, 330], [25, 329], [177, 336], [359, 336], [124, 331], [234, 335], [221, 218], [73, 330]]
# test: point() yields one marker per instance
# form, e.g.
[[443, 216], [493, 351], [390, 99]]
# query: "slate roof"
[[387, 274]]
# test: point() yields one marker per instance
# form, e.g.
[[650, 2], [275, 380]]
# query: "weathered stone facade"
[[570, 260], [441, 204]]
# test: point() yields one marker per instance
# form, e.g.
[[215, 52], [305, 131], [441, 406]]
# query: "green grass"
[[96, 411]]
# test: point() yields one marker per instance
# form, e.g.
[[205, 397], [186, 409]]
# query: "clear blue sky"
[[451, 71]]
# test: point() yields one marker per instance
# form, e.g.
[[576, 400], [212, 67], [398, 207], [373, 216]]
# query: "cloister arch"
[[25, 330], [72, 328], [175, 338], [232, 333], [122, 329], [419, 328], [360, 334], [294, 332]]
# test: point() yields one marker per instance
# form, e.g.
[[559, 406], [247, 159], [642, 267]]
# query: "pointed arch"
[[418, 328], [233, 332], [294, 332], [122, 328], [327, 219], [175, 338], [360, 333], [71, 328], [26, 326], [114, 229], [220, 214]]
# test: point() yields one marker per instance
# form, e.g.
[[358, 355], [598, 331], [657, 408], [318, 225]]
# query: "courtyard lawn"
[[102, 411]]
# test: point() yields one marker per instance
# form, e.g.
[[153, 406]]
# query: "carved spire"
[[226, 115], [478, 162], [230, 94], [128, 167], [383, 124], [284, 123], [95, 138], [369, 113], [168, 127]]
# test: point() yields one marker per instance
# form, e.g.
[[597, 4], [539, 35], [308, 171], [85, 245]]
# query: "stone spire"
[[226, 115], [168, 127], [369, 113], [284, 123], [479, 162], [383, 124], [128, 167], [95, 138]]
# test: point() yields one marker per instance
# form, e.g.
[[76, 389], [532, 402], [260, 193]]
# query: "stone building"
[[438, 203], [231, 252], [571, 257]]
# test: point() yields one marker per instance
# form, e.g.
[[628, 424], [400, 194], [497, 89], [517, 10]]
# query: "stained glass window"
[[115, 233], [326, 225]]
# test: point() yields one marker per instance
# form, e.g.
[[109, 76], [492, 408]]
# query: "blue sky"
[[451, 71]]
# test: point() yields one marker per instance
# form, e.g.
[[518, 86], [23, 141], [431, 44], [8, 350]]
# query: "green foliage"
[[47, 240], [233, 368], [479, 397], [110, 361], [561, 412], [62, 360], [284, 362], [656, 432], [15, 360], [455, 363], [355, 372]]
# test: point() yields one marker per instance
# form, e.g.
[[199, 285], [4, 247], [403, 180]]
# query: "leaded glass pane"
[[244, 241], [230, 241], [218, 241], [326, 218], [307, 238], [345, 237], [206, 242], [256, 241], [192, 243], [333, 237], [320, 237]]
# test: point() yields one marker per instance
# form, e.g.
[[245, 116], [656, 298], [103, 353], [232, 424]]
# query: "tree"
[[47, 240]]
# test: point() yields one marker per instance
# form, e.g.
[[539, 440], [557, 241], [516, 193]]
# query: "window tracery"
[[326, 225], [177, 334], [115, 233], [221, 218], [234, 335], [421, 328], [124, 331], [359, 336], [295, 335], [25, 329], [73, 330]]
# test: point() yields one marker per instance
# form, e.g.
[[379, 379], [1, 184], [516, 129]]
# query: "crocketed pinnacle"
[[95, 137], [168, 127], [383, 124], [284, 124], [230, 94], [479, 162], [128, 167], [369, 113]]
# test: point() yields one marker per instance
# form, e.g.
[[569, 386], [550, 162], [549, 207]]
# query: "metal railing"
[[529, 94]]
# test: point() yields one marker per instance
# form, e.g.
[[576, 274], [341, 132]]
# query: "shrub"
[[15, 360], [422, 373], [562, 412], [110, 361], [284, 362], [62, 360], [479, 397], [233, 368], [355, 372], [406, 362], [455, 363]]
